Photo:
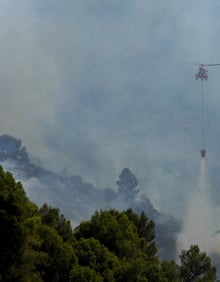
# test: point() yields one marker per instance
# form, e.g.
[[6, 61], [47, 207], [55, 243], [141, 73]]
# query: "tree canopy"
[[196, 266], [38, 244]]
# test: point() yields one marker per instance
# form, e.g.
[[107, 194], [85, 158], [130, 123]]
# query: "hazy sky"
[[92, 87]]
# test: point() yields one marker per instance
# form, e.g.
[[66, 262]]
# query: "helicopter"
[[203, 71], [203, 75]]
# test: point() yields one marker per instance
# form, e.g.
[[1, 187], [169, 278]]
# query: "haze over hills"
[[101, 87], [92, 87], [78, 200]]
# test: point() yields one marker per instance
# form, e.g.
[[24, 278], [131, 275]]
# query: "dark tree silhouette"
[[127, 184]]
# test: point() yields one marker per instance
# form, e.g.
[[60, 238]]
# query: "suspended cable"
[[203, 150], [203, 75]]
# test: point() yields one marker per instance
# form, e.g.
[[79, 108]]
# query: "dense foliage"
[[40, 245]]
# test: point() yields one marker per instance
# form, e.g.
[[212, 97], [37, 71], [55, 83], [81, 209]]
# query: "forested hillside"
[[78, 200], [39, 244]]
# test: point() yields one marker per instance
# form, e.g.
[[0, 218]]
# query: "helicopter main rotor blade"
[[197, 63], [208, 65]]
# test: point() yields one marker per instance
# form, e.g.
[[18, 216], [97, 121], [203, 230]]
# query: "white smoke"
[[199, 226], [91, 87]]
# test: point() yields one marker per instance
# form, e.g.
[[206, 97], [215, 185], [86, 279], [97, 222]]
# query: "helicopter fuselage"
[[202, 74]]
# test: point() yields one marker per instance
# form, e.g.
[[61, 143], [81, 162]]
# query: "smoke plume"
[[199, 227]]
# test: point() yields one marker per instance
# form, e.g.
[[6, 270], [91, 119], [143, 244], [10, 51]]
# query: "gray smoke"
[[199, 224], [91, 88]]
